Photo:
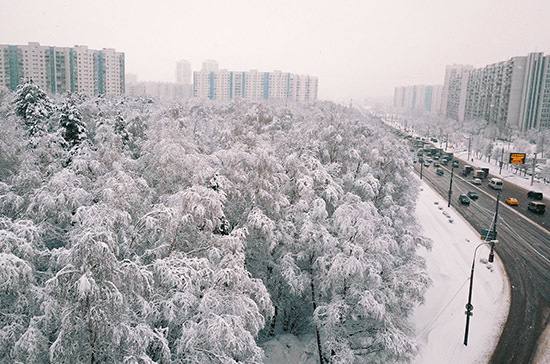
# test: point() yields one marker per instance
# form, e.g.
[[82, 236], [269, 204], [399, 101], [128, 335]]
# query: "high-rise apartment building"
[[425, 99], [511, 94], [453, 96], [63, 69], [183, 72], [224, 85]]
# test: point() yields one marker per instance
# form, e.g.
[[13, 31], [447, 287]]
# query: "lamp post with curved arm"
[[469, 306]]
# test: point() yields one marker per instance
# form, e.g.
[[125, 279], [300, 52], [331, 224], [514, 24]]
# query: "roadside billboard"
[[517, 158]]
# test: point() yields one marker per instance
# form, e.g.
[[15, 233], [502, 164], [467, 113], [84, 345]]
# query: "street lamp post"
[[501, 159], [469, 145], [451, 186], [421, 166], [469, 306]]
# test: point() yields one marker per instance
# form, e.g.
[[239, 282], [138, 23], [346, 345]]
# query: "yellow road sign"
[[517, 158]]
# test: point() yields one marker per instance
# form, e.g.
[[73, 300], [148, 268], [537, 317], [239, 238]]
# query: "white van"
[[495, 183]]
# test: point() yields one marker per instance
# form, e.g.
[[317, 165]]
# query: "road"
[[524, 247], [513, 190]]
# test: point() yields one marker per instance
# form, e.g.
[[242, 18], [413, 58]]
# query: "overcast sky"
[[357, 48]]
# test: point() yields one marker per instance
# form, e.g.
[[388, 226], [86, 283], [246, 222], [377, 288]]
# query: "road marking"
[[518, 236], [540, 227], [525, 241]]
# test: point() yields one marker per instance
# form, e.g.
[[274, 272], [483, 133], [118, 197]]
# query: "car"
[[436, 164], [476, 181], [436, 157], [535, 195], [444, 161], [463, 199], [439, 172], [472, 195], [495, 184], [512, 201], [426, 164], [429, 160], [536, 207], [455, 164]]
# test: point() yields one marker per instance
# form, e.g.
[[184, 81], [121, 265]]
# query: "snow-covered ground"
[[516, 178], [543, 352], [440, 320], [290, 349]]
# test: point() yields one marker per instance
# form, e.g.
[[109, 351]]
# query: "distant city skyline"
[[58, 70], [513, 93], [358, 49]]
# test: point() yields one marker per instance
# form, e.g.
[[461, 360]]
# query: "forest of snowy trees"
[[133, 232]]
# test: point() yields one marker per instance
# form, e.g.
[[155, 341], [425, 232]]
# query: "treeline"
[[132, 232]]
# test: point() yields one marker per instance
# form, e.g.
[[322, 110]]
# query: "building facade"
[[424, 99], [454, 91], [63, 69], [164, 91], [224, 85], [511, 94], [183, 72]]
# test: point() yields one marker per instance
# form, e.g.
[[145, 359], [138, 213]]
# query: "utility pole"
[[496, 214], [533, 170], [501, 157], [451, 186], [469, 145], [446, 141], [421, 166]]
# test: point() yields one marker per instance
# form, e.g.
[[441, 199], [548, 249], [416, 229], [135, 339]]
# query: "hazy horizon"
[[358, 49]]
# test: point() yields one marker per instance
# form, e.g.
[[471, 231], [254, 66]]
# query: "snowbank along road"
[[525, 250]]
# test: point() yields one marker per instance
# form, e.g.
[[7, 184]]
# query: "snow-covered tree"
[[33, 106], [72, 126], [191, 233]]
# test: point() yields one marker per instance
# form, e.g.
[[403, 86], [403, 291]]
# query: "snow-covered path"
[[440, 321]]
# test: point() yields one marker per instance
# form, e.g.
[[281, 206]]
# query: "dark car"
[[536, 207], [455, 164], [472, 195], [535, 195], [439, 172], [463, 199]]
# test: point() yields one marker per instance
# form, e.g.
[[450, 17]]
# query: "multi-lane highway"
[[513, 190], [524, 247]]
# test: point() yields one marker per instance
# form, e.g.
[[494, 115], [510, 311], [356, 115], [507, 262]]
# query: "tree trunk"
[[314, 304], [273, 322]]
